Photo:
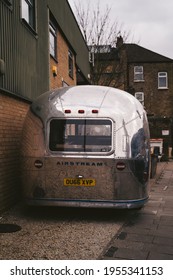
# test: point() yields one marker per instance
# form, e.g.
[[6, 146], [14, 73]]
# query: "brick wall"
[[156, 101], [12, 114], [62, 65]]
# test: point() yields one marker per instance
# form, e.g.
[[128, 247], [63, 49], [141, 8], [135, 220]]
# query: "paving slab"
[[158, 256], [148, 233], [130, 254]]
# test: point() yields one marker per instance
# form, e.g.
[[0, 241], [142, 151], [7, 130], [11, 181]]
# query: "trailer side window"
[[74, 135]]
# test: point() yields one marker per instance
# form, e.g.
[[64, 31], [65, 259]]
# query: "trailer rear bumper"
[[117, 204]]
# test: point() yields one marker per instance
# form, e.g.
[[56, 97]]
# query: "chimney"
[[119, 42]]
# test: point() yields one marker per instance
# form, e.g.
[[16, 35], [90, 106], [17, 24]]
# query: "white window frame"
[[140, 97], [138, 74], [28, 12], [162, 80], [52, 40]]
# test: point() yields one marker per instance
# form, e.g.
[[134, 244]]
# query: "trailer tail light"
[[81, 111], [38, 163], [120, 165], [67, 111], [95, 111]]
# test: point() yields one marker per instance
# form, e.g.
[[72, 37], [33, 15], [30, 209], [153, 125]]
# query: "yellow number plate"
[[72, 182]]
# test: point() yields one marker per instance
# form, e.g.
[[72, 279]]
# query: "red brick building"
[[150, 79], [146, 75]]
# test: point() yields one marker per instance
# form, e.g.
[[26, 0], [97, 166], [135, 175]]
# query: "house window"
[[138, 73], [162, 80], [70, 63], [28, 12], [52, 40], [140, 97]]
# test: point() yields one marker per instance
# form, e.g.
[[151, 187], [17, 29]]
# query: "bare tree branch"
[[96, 25], [100, 33]]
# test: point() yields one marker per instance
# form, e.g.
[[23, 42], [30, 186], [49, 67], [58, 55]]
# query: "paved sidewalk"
[[148, 233]]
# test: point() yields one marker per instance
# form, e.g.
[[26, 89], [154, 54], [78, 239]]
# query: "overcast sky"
[[149, 21]]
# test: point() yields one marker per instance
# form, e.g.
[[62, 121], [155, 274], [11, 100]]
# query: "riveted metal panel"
[[116, 179]]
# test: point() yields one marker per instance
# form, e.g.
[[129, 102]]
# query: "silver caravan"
[[86, 146]]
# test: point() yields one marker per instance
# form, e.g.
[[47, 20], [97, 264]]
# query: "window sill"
[[71, 77], [54, 58], [162, 88], [139, 81], [29, 27]]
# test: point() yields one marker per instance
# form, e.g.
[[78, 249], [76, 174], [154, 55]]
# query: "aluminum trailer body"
[[86, 146]]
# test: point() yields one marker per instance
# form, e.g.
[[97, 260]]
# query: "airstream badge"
[[66, 163]]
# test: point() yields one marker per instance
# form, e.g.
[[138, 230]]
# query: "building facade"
[[146, 75], [41, 48], [150, 79]]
